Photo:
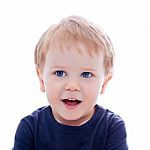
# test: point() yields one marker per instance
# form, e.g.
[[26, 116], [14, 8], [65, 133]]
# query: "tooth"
[[72, 99]]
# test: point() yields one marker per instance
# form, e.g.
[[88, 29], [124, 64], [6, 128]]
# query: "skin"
[[71, 74]]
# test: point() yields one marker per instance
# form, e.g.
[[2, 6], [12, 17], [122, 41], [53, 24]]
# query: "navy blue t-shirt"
[[40, 131]]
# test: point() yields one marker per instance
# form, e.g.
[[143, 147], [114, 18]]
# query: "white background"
[[127, 22]]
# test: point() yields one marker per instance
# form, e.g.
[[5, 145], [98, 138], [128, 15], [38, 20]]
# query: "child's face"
[[72, 82]]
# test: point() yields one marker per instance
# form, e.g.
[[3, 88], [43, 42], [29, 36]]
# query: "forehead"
[[73, 58]]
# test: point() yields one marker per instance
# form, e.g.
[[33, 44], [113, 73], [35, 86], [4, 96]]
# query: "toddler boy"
[[74, 62]]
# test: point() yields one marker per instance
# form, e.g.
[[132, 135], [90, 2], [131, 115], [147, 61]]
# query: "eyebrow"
[[83, 68], [58, 66], [89, 69]]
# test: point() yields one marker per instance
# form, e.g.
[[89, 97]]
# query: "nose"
[[72, 86]]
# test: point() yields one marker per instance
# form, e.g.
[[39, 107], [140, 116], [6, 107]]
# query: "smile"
[[71, 102]]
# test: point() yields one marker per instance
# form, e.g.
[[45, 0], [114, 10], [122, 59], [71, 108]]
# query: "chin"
[[72, 120]]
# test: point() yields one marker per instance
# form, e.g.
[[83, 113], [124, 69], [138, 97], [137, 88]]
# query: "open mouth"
[[71, 102]]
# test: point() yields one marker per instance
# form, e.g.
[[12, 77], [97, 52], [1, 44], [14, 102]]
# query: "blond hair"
[[68, 34]]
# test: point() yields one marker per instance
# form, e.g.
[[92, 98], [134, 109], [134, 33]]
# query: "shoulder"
[[35, 115], [26, 130], [112, 124], [108, 116], [29, 123], [39, 111], [114, 128]]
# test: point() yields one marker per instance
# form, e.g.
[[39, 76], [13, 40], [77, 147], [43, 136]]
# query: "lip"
[[71, 103]]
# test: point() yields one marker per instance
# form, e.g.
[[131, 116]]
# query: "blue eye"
[[86, 74], [60, 73]]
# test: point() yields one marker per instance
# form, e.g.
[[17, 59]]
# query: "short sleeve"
[[116, 139], [24, 136]]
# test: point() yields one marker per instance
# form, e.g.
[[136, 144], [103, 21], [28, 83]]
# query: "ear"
[[42, 87], [106, 80]]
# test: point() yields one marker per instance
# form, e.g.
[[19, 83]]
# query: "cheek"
[[53, 89], [92, 90]]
